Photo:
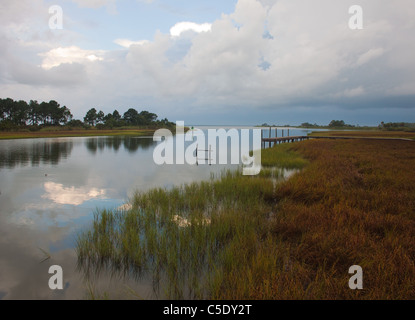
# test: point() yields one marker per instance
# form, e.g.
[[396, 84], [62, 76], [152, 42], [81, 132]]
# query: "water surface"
[[49, 191]]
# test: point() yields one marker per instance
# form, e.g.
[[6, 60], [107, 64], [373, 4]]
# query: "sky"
[[229, 62]]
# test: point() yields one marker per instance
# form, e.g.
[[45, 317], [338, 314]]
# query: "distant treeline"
[[130, 118], [397, 126], [332, 124], [35, 115], [20, 113], [340, 124]]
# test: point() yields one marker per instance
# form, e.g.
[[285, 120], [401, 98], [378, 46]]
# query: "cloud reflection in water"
[[71, 195]]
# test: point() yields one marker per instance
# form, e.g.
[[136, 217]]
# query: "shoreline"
[[76, 133]]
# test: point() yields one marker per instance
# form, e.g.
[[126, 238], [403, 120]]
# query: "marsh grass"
[[366, 134], [282, 156], [93, 294], [353, 203], [223, 218], [46, 255]]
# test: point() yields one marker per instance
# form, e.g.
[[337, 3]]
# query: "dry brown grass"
[[367, 133], [353, 205]]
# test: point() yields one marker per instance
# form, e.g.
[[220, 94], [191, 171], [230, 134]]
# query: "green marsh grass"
[[282, 156], [223, 218]]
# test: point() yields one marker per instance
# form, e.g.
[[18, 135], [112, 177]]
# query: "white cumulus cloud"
[[181, 27], [126, 43], [73, 54]]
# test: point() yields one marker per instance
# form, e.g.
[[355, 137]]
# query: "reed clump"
[[282, 156], [180, 237]]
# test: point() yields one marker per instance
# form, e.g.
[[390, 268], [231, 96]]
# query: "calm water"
[[49, 191]]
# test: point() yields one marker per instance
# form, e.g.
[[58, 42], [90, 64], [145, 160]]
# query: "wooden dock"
[[278, 140]]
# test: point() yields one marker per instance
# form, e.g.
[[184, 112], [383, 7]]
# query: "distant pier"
[[285, 137], [277, 140]]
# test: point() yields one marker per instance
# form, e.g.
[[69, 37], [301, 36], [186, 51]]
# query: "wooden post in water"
[[276, 135], [269, 135]]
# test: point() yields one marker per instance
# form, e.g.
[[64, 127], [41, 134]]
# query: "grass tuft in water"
[[180, 237]]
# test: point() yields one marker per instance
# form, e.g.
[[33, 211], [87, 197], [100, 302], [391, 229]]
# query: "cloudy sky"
[[214, 61]]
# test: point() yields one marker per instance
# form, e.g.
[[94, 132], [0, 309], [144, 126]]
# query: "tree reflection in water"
[[34, 152], [131, 144]]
